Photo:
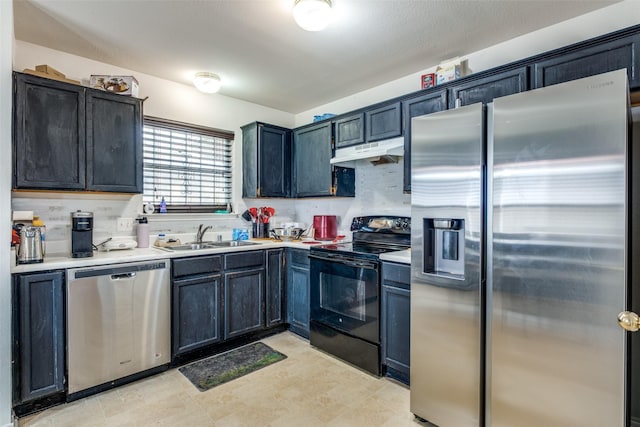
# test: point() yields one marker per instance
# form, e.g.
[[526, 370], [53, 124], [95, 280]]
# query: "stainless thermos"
[[31, 247]]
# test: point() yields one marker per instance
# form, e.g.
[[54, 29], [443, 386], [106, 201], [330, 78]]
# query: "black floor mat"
[[222, 368]]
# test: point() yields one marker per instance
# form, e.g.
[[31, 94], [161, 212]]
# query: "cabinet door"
[[49, 134], [243, 302], [195, 313], [266, 161], [274, 161], [275, 288], [396, 319], [384, 122], [250, 160], [589, 61], [298, 292], [488, 88], [114, 143], [350, 130], [39, 342], [396, 303], [418, 106], [312, 156]]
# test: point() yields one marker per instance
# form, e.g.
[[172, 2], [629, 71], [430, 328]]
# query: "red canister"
[[325, 227]]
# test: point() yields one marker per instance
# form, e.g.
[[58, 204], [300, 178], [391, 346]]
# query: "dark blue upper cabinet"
[[486, 89], [114, 143], [49, 134], [418, 106], [349, 130], [266, 156], [572, 63], [68, 137], [311, 161], [383, 122]]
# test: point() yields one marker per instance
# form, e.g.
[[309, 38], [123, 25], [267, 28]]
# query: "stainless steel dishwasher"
[[118, 321]]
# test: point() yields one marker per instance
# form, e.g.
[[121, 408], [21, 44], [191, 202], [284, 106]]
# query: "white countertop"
[[64, 261], [403, 257]]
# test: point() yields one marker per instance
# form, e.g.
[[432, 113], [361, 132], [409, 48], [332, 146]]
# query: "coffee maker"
[[81, 234]]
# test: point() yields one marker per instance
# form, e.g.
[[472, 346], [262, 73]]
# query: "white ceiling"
[[263, 57]]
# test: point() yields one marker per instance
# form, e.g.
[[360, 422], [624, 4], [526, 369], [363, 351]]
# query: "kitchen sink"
[[232, 243], [194, 246]]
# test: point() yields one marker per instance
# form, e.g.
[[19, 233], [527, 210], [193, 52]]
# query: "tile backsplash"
[[378, 192]]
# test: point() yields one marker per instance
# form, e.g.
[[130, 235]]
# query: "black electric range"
[[345, 289]]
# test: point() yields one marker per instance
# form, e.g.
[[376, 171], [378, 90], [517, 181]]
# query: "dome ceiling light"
[[312, 15], [207, 82]]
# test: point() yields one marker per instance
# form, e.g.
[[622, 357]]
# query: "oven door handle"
[[350, 263]]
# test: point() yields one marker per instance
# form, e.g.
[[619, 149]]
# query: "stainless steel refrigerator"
[[519, 259]]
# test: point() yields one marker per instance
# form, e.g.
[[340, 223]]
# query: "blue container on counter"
[[240, 234]]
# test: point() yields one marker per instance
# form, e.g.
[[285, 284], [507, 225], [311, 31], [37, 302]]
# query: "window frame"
[[173, 125]]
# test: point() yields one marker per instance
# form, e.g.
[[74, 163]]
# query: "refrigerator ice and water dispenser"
[[443, 247]]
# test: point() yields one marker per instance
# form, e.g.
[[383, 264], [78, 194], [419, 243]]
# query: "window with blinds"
[[188, 165]]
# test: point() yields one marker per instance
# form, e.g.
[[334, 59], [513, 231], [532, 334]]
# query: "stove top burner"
[[373, 235]]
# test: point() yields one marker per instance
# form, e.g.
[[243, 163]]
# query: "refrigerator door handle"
[[629, 321]]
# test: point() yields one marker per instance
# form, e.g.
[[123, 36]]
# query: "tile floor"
[[307, 389]]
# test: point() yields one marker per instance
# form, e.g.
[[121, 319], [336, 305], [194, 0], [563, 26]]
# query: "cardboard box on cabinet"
[[123, 85], [448, 71]]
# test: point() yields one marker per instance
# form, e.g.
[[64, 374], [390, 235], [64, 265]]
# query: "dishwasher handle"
[[123, 276], [118, 271]]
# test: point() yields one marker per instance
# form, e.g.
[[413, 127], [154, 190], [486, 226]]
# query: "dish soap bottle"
[[163, 206]]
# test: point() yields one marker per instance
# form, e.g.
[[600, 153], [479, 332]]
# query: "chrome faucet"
[[201, 231]]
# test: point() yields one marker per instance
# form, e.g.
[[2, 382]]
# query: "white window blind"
[[188, 165]]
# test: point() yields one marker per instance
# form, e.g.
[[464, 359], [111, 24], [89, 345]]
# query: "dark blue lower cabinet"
[[38, 341], [396, 320], [298, 291], [243, 302], [196, 313], [275, 298]]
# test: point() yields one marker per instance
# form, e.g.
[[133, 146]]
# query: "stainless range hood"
[[377, 152]]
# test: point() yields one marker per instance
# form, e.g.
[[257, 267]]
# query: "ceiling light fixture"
[[207, 82], [312, 15]]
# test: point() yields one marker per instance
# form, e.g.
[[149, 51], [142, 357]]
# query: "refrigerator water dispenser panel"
[[443, 247]]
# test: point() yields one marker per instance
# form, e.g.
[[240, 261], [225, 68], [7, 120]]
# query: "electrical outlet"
[[125, 224]]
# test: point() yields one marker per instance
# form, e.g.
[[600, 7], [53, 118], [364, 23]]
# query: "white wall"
[[602, 21], [6, 57]]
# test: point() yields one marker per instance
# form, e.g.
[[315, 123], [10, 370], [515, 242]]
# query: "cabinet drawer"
[[196, 265], [244, 260], [396, 275], [300, 257]]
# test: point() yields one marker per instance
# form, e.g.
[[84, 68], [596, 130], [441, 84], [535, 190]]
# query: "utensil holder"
[[260, 230]]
